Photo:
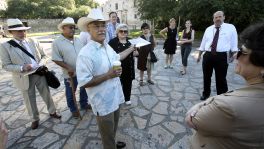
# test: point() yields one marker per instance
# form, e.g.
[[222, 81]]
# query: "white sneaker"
[[128, 102]]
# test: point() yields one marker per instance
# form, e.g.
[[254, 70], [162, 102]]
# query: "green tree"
[[31, 9], [241, 13]]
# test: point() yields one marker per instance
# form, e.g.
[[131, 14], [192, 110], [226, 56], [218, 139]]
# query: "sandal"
[[141, 83], [151, 82], [183, 72]]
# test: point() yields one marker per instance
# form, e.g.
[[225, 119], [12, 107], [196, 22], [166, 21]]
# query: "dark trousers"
[[185, 52], [69, 95], [126, 86], [219, 64], [107, 126]]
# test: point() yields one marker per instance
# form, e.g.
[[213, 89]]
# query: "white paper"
[[139, 42], [32, 71]]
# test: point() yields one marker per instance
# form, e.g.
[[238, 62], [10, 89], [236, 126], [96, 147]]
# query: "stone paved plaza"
[[155, 120]]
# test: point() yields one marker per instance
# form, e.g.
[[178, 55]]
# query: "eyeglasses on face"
[[241, 52], [123, 31], [72, 27], [145, 28]]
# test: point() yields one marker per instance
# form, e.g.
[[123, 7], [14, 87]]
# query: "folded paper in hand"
[[31, 72], [139, 42]]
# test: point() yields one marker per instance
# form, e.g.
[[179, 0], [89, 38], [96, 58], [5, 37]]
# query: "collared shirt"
[[227, 38], [85, 37], [110, 31], [66, 51], [108, 95], [26, 45]]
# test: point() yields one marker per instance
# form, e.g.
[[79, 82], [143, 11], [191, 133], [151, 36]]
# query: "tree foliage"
[[241, 13], [34, 9]]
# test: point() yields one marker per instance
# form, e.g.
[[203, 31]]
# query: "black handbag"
[[52, 80], [153, 57]]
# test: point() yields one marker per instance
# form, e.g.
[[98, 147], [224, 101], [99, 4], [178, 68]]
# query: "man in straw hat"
[[15, 60], [95, 72], [65, 50]]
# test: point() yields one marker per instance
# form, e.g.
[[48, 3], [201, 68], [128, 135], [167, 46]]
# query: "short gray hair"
[[120, 26]]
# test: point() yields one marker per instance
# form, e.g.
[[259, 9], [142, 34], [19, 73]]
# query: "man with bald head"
[[218, 40]]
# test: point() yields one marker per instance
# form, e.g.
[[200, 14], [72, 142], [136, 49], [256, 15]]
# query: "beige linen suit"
[[234, 120], [12, 60]]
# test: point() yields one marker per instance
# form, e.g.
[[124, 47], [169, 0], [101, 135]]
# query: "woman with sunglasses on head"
[[144, 62], [186, 44], [119, 44], [234, 120]]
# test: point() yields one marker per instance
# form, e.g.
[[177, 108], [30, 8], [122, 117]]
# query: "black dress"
[[128, 70], [170, 43], [144, 52]]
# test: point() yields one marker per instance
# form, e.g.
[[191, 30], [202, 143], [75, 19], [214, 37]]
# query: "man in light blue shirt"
[[111, 26], [95, 73]]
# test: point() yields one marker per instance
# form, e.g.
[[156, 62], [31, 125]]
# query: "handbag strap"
[[15, 44]]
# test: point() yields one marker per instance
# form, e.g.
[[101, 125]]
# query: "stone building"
[[126, 11]]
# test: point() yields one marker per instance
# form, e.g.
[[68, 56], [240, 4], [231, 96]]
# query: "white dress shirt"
[[85, 37], [26, 45], [227, 38]]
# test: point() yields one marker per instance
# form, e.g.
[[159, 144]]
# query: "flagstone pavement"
[[155, 120]]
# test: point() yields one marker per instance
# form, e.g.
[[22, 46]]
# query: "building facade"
[[3, 5], [126, 11]]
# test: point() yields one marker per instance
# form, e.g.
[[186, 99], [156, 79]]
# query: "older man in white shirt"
[[102, 83], [217, 41]]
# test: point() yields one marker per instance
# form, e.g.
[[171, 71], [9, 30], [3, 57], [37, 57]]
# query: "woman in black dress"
[[170, 42], [119, 44], [144, 62]]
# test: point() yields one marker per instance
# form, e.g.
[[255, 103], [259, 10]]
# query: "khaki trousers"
[[107, 126], [30, 96]]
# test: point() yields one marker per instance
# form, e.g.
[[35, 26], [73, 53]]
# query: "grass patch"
[[42, 34]]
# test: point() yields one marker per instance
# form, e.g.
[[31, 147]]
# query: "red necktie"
[[215, 40]]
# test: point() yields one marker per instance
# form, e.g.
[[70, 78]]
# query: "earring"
[[262, 73]]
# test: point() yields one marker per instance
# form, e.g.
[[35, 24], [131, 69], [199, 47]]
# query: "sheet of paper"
[[31, 72], [139, 42]]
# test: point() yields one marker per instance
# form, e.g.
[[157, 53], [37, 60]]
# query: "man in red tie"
[[217, 41]]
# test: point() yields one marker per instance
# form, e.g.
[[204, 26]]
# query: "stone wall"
[[39, 25]]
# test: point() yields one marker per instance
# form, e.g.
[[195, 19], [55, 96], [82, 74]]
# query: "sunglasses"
[[72, 27], [123, 31], [241, 52]]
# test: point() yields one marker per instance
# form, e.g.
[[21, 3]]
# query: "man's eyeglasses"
[[72, 27], [241, 52], [123, 31]]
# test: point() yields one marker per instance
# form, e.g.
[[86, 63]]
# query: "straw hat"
[[16, 25], [66, 21], [94, 15]]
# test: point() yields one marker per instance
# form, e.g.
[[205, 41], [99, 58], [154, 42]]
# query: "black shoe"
[[203, 97], [34, 125], [120, 144]]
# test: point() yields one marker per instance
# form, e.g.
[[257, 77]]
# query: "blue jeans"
[[69, 96]]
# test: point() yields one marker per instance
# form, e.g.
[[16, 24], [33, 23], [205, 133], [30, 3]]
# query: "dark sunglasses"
[[241, 52], [72, 27], [123, 31]]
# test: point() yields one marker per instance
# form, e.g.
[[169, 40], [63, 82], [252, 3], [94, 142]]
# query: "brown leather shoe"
[[75, 114], [35, 124], [55, 115]]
